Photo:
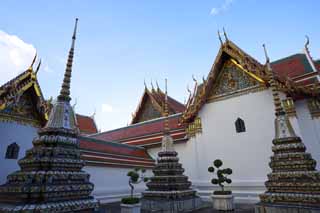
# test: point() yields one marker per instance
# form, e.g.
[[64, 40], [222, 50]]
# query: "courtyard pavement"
[[243, 208]]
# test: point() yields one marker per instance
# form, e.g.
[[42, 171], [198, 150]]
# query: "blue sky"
[[121, 43]]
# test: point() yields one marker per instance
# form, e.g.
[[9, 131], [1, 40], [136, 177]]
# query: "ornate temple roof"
[[152, 105], [294, 75], [86, 124], [24, 87], [145, 134], [103, 153]]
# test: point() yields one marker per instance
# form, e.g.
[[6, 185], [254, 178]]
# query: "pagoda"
[[50, 178], [169, 190], [294, 184]]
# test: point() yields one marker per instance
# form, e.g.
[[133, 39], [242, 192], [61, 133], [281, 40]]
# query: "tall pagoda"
[[293, 186], [50, 178], [169, 190]]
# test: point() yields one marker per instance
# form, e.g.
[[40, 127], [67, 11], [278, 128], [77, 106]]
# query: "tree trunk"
[[132, 188]]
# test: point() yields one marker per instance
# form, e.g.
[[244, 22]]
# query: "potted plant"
[[221, 199], [132, 204]]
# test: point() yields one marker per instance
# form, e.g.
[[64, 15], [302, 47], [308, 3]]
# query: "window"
[[12, 151], [240, 126]]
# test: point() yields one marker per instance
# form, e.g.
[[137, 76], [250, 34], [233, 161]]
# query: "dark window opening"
[[12, 151], [240, 125]]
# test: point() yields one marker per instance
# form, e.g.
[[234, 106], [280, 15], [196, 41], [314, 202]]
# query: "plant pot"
[[222, 202], [130, 208]]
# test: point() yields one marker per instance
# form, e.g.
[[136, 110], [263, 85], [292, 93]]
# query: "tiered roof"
[[151, 106], [103, 153], [146, 134], [86, 124], [293, 75], [25, 85]]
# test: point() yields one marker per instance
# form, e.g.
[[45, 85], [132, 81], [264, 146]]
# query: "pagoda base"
[[79, 206], [171, 205], [281, 208]]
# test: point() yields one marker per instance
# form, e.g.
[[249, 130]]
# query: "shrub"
[[222, 176], [130, 200], [136, 176]]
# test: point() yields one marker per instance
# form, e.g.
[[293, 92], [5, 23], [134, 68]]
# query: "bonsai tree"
[[222, 176], [136, 176]]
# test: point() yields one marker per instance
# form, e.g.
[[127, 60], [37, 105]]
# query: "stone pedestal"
[[171, 206], [130, 208], [222, 202], [267, 208]]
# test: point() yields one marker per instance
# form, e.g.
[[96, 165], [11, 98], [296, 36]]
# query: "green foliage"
[[222, 192], [130, 200], [136, 176], [222, 174], [217, 163], [211, 169]]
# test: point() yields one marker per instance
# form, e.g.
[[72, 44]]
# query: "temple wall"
[[111, 183], [11, 132], [310, 130], [247, 153]]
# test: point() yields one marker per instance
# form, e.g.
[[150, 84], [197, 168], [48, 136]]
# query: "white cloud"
[[15, 56], [106, 108], [217, 10]]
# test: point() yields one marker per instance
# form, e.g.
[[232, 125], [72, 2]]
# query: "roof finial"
[[94, 113], [158, 88], [152, 86], [307, 42], [225, 34], [33, 61], [194, 79], [65, 88], [266, 54], [38, 67], [145, 85], [203, 79], [220, 39]]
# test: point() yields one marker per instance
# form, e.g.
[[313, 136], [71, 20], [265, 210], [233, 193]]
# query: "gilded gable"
[[232, 80], [148, 112], [22, 109]]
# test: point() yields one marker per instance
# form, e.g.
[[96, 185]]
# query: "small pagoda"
[[50, 178], [293, 186], [169, 190]]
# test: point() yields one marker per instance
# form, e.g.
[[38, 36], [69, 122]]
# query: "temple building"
[[229, 115]]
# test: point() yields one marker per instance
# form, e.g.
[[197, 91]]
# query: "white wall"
[[9, 133], [247, 153], [310, 130], [111, 184]]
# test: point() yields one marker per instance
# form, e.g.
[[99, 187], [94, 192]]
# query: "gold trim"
[[246, 71], [237, 93], [194, 128], [19, 120]]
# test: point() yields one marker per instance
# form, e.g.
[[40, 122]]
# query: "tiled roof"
[[86, 124], [157, 98], [291, 66], [103, 153], [148, 133], [317, 63], [174, 106], [23, 83]]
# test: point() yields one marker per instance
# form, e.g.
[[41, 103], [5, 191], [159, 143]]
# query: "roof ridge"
[[109, 142], [286, 58], [137, 124], [88, 116]]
